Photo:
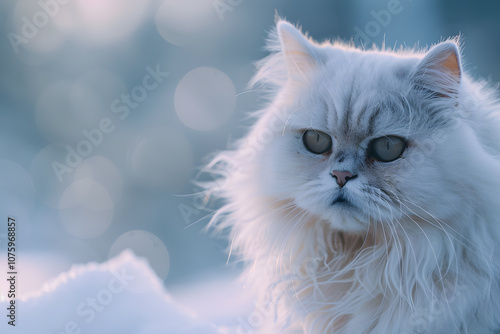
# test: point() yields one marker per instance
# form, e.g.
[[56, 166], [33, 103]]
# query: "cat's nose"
[[342, 177]]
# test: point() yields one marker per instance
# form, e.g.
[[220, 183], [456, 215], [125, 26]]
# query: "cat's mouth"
[[341, 199], [345, 215], [350, 210], [346, 212]]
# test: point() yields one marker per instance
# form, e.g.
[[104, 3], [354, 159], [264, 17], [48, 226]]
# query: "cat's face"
[[365, 137]]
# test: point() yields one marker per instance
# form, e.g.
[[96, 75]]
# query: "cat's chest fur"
[[363, 285]]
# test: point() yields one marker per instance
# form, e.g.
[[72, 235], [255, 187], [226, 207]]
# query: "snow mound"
[[122, 295]]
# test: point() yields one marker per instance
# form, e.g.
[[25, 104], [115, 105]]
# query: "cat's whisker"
[[314, 281], [413, 251], [410, 117], [292, 113], [252, 91], [438, 265], [230, 250], [459, 238], [386, 249], [441, 223], [450, 237], [279, 261], [298, 68], [213, 214]]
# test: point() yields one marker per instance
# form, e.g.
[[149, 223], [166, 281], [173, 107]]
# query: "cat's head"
[[357, 137]]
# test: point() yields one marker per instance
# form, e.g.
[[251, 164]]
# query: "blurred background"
[[109, 107]]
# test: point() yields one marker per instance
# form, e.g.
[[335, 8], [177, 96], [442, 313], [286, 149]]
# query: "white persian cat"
[[366, 197]]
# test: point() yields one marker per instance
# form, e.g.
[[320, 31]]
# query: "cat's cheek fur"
[[448, 179], [277, 167]]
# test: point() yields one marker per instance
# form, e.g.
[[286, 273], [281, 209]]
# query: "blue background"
[[65, 79]]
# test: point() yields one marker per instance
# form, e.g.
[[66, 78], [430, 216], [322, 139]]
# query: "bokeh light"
[[92, 95], [181, 22], [105, 172], [32, 23], [162, 158], [110, 20], [147, 245], [86, 209], [53, 117], [48, 186], [65, 109], [205, 98]]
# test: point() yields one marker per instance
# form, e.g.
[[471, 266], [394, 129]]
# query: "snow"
[[124, 295]]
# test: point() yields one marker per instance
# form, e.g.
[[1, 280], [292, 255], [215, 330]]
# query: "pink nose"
[[342, 177]]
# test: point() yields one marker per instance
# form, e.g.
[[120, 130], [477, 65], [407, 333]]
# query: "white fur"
[[419, 253]]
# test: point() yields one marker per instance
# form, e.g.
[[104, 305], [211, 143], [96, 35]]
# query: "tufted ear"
[[440, 69], [299, 53]]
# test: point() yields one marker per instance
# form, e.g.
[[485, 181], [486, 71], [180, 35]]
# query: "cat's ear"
[[299, 53], [440, 70]]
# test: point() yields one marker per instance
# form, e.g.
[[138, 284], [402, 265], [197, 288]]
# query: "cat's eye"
[[317, 142], [387, 148]]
